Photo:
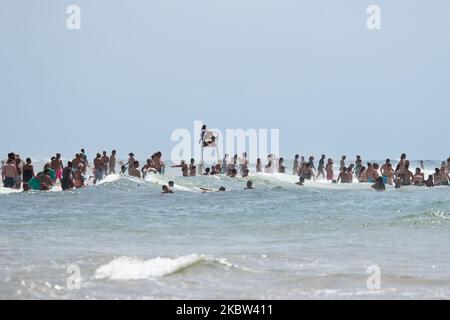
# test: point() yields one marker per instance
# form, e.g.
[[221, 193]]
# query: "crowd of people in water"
[[17, 173]]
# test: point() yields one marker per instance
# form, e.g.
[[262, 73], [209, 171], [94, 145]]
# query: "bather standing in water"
[[112, 162], [295, 165], [184, 168], [320, 169], [379, 185], [329, 170]]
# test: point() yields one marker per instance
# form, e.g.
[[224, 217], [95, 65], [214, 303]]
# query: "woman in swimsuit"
[[27, 172]]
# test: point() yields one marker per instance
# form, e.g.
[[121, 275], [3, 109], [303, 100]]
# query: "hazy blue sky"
[[137, 70]]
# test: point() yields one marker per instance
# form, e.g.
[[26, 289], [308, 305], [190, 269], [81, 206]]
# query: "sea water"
[[122, 239]]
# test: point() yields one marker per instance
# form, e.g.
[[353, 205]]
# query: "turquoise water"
[[279, 241]]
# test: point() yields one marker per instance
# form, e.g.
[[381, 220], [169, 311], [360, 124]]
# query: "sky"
[[138, 70]]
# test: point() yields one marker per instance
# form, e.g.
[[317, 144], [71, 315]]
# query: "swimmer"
[[418, 178], [130, 162], [307, 172], [221, 189], [57, 166], [350, 173], [384, 167], [245, 173], [329, 169], [105, 160], [210, 142], [342, 162], [207, 172], [166, 189], [225, 164], [444, 175], [78, 177], [429, 183], [281, 167], [296, 164], [217, 169], [192, 168], [98, 168], [67, 177], [148, 167], [184, 168], [407, 175], [311, 163], [362, 178], [369, 172], [389, 174], [258, 165], [437, 177], [9, 174], [27, 172], [112, 162], [379, 185], [401, 165], [249, 185], [320, 169], [134, 172], [375, 174], [343, 176], [202, 134], [358, 165]]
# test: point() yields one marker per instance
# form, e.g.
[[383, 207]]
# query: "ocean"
[[122, 239]]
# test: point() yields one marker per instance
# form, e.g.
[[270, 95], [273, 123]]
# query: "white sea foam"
[[8, 190], [128, 268]]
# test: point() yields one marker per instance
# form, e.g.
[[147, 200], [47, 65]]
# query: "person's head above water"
[[222, 189], [249, 184], [171, 184]]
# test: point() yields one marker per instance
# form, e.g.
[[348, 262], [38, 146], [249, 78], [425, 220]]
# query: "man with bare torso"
[[9, 174], [57, 166], [105, 160], [98, 168], [112, 162], [134, 172], [130, 162]]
